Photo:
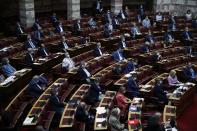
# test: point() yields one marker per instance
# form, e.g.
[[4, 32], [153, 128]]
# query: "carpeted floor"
[[188, 120]]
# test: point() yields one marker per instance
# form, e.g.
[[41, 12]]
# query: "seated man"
[[122, 43], [114, 120], [82, 72], [138, 18], [37, 36], [115, 22], [19, 30], [6, 68], [159, 92], [188, 40], [122, 101], [135, 30], [156, 57], [92, 23], [145, 47], [146, 22], [108, 29], [121, 15], [132, 86], [150, 38], [172, 79], [94, 92], [67, 62], [118, 55], [99, 7], [29, 58], [30, 43], [97, 50], [194, 23], [131, 66], [82, 115], [59, 29], [54, 19], [63, 44], [172, 23], [77, 25], [37, 86], [141, 11], [43, 52], [36, 25], [55, 103], [190, 73], [159, 19], [168, 38], [108, 16]]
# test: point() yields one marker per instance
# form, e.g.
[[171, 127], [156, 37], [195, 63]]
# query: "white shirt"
[[68, 63], [159, 17], [188, 16], [123, 16], [61, 29], [87, 72], [120, 57]]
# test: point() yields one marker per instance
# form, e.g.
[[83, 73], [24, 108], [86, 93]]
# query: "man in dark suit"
[[37, 86], [188, 40], [108, 29], [59, 29], [194, 23], [172, 23], [122, 16], [156, 57], [159, 92], [138, 18], [168, 38], [150, 38], [29, 58], [63, 43], [115, 23], [122, 43], [37, 36], [97, 50], [54, 19], [43, 51], [30, 43], [82, 115], [99, 6], [118, 55], [82, 72], [6, 68], [141, 11], [132, 86], [131, 66], [19, 29], [94, 92], [36, 25], [190, 73], [55, 103], [77, 25], [145, 47]]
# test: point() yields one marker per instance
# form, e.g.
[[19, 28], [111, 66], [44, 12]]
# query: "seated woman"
[[159, 92], [122, 100], [114, 121], [67, 63], [172, 79]]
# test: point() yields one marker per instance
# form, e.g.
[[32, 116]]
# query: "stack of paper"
[[101, 110], [28, 120]]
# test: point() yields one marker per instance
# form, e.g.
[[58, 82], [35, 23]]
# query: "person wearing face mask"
[[122, 43], [118, 55], [156, 57], [121, 100], [82, 72], [55, 103], [150, 38], [190, 73], [97, 51], [168, 38], [194, 23], [132, 86], [29, 58], [159, 92]]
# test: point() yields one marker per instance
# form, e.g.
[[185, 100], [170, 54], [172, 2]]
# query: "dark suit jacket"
[[185, 37], [159, 93], [116, 57], [188, 73], [194, 24], [115, 25], [121, 44], [18, 31], [42, 51], [77, 27], [35, 84], [133, 87], [58, 29], [144, 49], [129, 67], [149, 37], [93, 93], [81, 115], [28, 59], [28, 45], [170, 26], [61, 45], [36, 26], [166, 37], [81, 73], [56, 104], [96, 52]]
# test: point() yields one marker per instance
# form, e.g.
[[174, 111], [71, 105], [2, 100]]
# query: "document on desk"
[[100, 119], [28, 120], [9, 79], [100, 110]]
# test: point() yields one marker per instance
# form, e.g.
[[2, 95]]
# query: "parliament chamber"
[[98, 65]]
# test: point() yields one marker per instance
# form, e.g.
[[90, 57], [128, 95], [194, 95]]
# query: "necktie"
[[45, 52]]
